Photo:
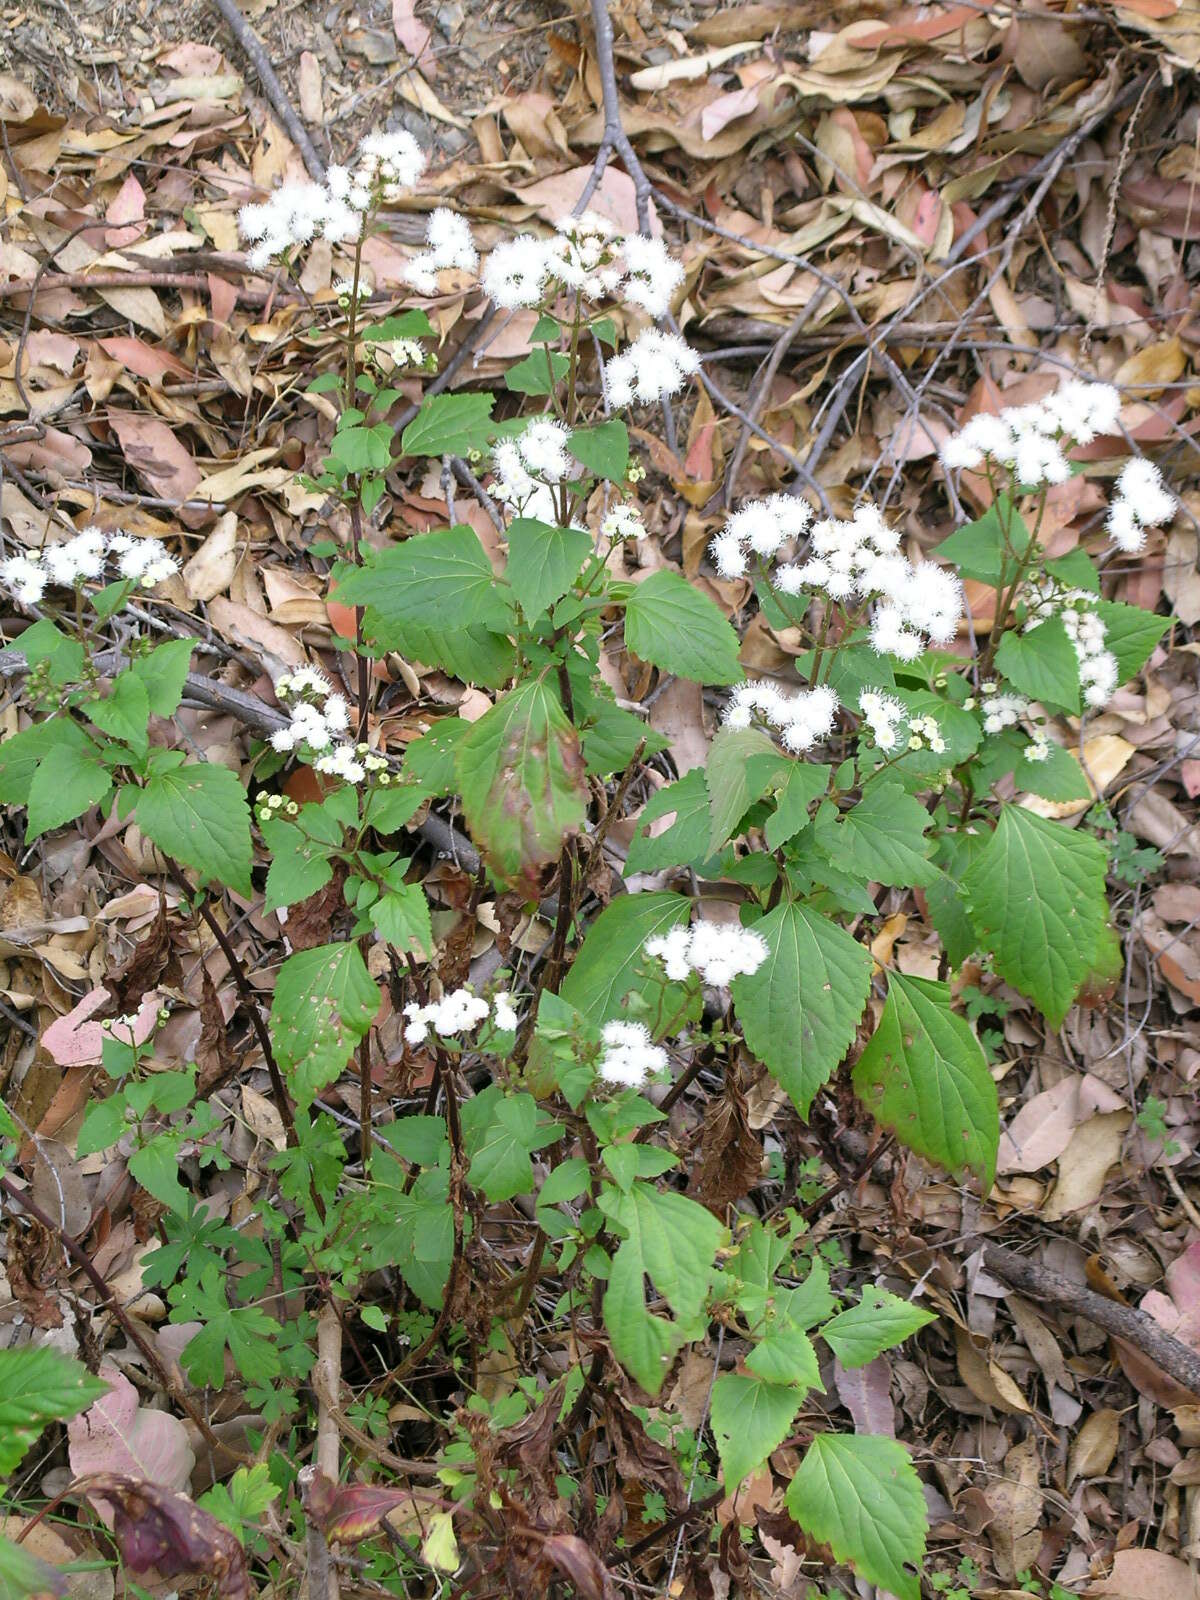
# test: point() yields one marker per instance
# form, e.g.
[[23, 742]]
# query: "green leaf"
[[543, 562], [877, 1323], [539, 373], [606, 969], [950, 918], [124, 712], [103, 1124], [23, 1576], [1035, 895], [1058, 776], [156, 1167], [987, 548], [472, 654], [449, 425], [411, 324], [860, 1495], [62, 654], [164, 672], [21, 754], [38, 1385], [672, 1241], [805, 780], [886, 834], [603, 449], [361, 449], [1131, 634], [419, 1242], [685, 841], [324, 1002], [800, 1010], [1042, 664], [401, 916], [743, 763], [433, 580], [611, 735], [750, 1418], [680, 630], [785, 1354], [500, 1133], [523, 788], [198, 814], [924, 1074], [66, 783], [299, 866]]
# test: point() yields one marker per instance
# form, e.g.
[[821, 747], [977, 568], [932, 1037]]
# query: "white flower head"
[[652, 274], [654, 365], [630, 1056], [515, 273], [25, 579], [623, 522]]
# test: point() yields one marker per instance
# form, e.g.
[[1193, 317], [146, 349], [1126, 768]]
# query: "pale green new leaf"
[[501, 1132], [1035, 894], [38, 1385], [924, 1074], [860, 1495], [800, 1010], [750, 1418], [877, 1323], [401, 916], [675, 627], [324, 1002], [743, 763]]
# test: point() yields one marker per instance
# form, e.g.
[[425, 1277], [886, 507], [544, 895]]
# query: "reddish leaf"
[[169, 1534], [348, 1512]]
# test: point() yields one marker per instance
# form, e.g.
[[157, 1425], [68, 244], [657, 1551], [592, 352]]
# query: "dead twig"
[[1136, 1328], [252, 47]]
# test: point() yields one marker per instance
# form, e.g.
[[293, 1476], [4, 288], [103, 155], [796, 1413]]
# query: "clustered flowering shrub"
[[882, 766]]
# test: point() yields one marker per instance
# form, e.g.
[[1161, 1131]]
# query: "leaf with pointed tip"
[[860, 1495]]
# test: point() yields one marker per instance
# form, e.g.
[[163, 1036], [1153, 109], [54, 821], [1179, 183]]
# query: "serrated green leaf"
[[602, 449], [156, 1167], [987, 548], [439, 580], [860, 1495], [21, 754], [324, 1002], [886, 835], [198, 814], [1042, 664], [1130, 634], [299, 865], [1058, 776], [520, 772], [685, 841], [785, 1354], [672, 1241], [678, 629], [500, 1133], [606, 969], [612, 735], [750, 1418], [539, 373], [66, 783], [449, 425], [543, 562], [743, 763], [805, 780], [401, 916], [924, 1074], [38, 1385], [164, 672], [877, 1323], [1035, 895], [474, 654], [800, 1010], [124, 712]]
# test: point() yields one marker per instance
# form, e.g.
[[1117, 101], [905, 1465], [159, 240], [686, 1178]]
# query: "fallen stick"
[[1136, 1328], [260, 61]]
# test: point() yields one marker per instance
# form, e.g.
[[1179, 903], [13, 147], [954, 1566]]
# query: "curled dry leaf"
[[159, 1531]]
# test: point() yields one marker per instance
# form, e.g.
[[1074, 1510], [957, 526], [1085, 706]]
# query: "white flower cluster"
[[587, 255], [318, 715], [1098, 667], [884, 716], [1027, 439], [1038, 747], [860, 559], [802, 719], [384, 167], [528, 465], [146, 562], [460, 1011], [654, 365], [630, 1055], [623, 522], [450, 245], [718, 951], [761, 527], [1000, 710], [1141, 502]]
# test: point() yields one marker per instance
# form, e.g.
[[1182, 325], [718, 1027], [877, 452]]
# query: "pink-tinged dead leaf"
[[614, 197], [142, 358], [222, 298], [156, 454], [128, 205], [1146, 1575], [866, 1393], [118, 1434], [74, 1041], [191, 59], [1179, 1309], [1042, 1128], [718, 115]]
